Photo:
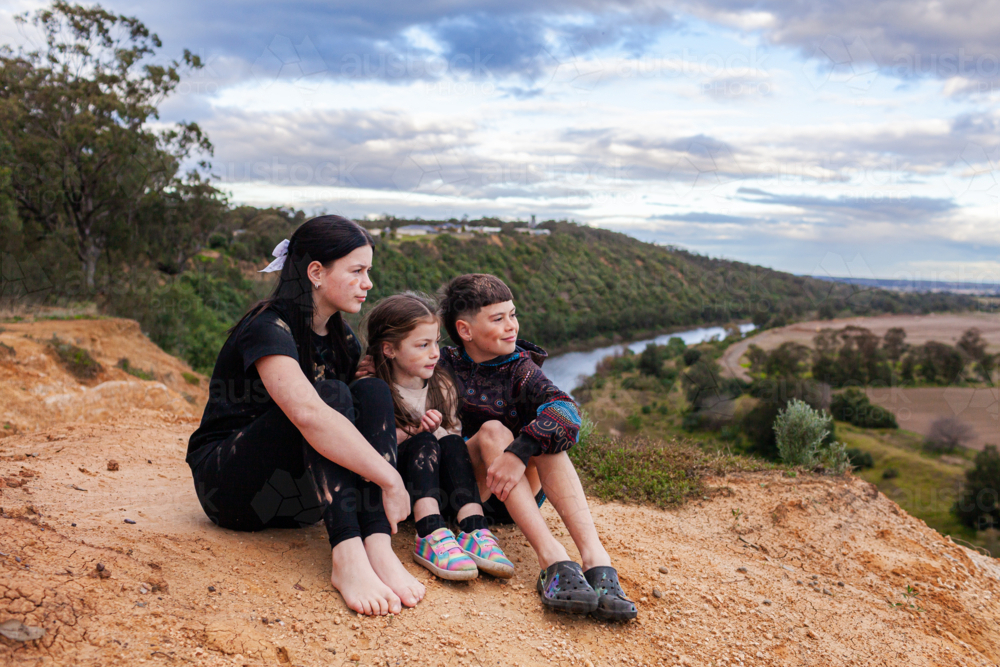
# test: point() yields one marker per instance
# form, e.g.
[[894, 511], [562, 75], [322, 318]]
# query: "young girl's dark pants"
[[439, 469], [266, 475]]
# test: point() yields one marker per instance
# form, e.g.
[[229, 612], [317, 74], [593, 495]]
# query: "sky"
[[854, 138]]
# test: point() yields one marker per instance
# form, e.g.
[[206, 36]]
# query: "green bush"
[[640, 470], [860, 459], [124, 364], [799, 431], [978, 505], [75, 359], [890, 473], [191, 378], [691, 357], [852, 405]]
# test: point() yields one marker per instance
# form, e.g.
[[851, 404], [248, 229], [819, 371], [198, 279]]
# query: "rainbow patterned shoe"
[[482, 547], [439, 552]]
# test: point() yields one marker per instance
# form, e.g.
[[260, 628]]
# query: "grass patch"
[[75, 359], [191, 378], [7, 350], [922, 484], [654, 472], [124, 364]]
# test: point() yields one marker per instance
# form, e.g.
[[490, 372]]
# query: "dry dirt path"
[[765, 570]]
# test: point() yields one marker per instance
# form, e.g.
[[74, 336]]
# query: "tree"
[[894, 343], [972, 344], [948, 434], [978, 504], [75, 113]]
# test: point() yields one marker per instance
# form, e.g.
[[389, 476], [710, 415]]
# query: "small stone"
[[354, 657], [767, 602], [657, 593], [760, 654], [826, 592], [815, 576], [811, 635], [211, 589], [112, 465], [73, 525], [664, 569], [741, 569], [588, 663], [798, 581], [840, 583], [129, 521], [100, 567], [643, 599]]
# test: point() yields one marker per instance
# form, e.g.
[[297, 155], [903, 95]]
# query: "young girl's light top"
[[415, 401]]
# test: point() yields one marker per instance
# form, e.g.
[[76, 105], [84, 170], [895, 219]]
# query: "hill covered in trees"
[[96, 208]]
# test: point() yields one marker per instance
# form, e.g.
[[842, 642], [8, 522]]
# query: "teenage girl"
[[289, 438], [402, 334]]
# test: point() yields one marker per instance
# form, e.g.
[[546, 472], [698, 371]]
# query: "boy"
[[519, 426]]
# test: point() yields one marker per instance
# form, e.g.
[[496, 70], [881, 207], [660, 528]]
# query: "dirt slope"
[[731, 594], [37, 391]]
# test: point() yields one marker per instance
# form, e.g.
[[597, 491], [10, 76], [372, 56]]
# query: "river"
[[567, 370]]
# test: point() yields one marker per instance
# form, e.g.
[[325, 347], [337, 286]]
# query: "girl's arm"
[[331, 433]]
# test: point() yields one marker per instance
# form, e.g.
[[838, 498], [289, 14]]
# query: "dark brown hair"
[[467, 295], [324, 239], [391, 321]]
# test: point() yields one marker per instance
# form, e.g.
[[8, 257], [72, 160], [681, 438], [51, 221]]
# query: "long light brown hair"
[[391, 321]]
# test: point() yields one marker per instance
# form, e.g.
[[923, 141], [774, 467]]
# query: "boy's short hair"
[[467, 295]]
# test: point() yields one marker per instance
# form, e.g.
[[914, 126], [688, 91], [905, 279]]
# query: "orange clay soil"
[[765, 570], [37, 391]]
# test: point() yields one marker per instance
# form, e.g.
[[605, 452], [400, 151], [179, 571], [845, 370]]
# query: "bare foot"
[[383, 560], [362, 589]]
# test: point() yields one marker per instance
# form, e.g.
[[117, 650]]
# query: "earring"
[[316, 285]]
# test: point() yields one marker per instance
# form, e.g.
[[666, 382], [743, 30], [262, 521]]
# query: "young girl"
[[433, 460], [289, 437]]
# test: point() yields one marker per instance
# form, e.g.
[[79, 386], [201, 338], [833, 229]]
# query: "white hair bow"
[[281, 252]]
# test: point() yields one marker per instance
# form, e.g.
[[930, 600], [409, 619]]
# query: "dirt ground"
[[36, 390], [765, 570], [915, 408]]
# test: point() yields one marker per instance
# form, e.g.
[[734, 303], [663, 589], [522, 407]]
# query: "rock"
[[741, 569], [767, 602], [811, 635], [130, 521], [211, 589], [798, 581], [19, 632], [664, 569], [113, 465], [826, 592], [643, 599], [354, 657], [840, 583], [100, 567], [657, 593], [588, 663]]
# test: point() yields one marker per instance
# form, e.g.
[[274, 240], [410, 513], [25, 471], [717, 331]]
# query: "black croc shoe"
[[564, 588], [612, 605]]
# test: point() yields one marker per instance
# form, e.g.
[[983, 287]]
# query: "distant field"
[[915, 408]]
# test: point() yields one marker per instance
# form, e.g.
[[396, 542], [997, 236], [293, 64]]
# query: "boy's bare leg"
[[563, 488], [484, 447]]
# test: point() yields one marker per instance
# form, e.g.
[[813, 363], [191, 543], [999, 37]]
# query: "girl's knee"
[[371, 387], [335, 393]]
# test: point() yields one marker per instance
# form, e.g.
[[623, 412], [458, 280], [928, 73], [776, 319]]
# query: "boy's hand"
[[366, 367], [506, 471], [431, 421]]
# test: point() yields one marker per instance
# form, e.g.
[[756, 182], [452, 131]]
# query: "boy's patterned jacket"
[[513, 390]]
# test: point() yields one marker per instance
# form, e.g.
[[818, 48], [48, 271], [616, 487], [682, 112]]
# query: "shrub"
[[75, 359], [799, 431], [860, 460], [977, 505], [890, 473], [640, 470], [633, 422], [691, 357], [191, 378], [948, 434], [124, 364], [853, 406]]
